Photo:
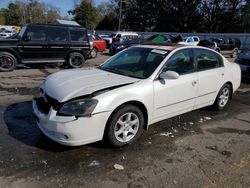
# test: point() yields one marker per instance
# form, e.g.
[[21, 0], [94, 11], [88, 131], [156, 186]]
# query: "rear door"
[[211, 73], [176, 96], [34, 44], [58, 43], [79, 41]]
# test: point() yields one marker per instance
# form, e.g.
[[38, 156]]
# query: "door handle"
[[194, 83]]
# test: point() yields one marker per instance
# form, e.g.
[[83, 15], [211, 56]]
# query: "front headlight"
[[79, 108]]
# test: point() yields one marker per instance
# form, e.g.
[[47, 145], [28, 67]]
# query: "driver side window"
[[181, 62]]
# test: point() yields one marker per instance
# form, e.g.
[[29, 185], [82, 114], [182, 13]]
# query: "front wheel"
[[76, 60], [8, 62], [223, 97], [125, 126], [94, 53]]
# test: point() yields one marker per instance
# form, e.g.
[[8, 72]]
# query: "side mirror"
[[27, 38], [169, 75]]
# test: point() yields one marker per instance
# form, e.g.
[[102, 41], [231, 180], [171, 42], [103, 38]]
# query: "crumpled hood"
[[69, 84]]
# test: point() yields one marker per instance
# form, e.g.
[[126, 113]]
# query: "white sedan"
[[137, 87]]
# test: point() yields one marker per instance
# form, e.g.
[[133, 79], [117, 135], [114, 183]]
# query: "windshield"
[[135, 62], [20, 34]]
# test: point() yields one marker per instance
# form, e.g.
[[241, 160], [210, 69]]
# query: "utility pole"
[[120, 16]]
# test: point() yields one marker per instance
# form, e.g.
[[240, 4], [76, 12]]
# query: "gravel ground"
[[202, 148]]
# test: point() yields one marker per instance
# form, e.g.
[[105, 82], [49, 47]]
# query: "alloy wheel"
[[126, 127]]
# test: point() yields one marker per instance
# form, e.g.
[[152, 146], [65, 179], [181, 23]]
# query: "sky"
[[63, 5]]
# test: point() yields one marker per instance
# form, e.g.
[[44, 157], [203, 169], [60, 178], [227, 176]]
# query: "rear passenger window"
[[78, 35], [207, 59], [57, 35]]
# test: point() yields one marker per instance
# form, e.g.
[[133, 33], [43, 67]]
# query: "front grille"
[[46, 102]]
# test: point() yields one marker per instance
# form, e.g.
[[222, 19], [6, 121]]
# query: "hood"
[[69, 84]]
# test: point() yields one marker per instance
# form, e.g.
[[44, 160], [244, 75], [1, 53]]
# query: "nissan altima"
[[135, 88]]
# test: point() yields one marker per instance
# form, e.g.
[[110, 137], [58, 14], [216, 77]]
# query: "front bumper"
[[71, 131]]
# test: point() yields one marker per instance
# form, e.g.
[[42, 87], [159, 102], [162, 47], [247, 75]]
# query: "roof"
[[58, 25], [67, 22], [162, 46]]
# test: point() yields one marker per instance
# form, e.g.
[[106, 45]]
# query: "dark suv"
[[45, 44], [226, 46]]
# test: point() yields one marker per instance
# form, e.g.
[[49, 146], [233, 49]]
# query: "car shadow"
[[22, 126]]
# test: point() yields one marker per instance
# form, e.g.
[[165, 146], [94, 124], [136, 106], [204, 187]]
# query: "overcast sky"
[[63, 5]]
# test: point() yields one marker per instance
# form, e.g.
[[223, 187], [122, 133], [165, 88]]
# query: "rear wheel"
[[223, 97], [125, 126], [8, 62], [76, 60]]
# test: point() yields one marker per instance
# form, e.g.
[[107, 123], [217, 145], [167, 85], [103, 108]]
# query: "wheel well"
[[231, 86], [236, 49], [13, 53], [96, 48], [138, 104]]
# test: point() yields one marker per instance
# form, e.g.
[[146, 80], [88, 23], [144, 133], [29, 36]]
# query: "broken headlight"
[[78, 108]]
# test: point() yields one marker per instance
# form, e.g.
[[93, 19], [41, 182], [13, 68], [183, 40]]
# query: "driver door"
[[176, 96]]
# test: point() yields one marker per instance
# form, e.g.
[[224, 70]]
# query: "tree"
[[2, 17], [86, 14], [12, 14], [108, 23], [20, 13]]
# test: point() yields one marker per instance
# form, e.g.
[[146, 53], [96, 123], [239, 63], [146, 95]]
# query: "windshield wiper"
[[113, 70]]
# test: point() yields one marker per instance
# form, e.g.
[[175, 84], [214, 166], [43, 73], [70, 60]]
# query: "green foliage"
[[20, 13], [2, 17], [87, 14]]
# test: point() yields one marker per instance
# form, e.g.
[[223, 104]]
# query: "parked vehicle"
[[153, 39], [227, 46], [103, 36], [243, 60], [132, 90], [208, 44], [119, 46], [38, 44], [119, 36], [98, 45], [191, 40], [7, 34]]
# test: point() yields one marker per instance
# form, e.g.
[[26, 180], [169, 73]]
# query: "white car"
[[135, 88], [7, 34], [191, 40], [119, 35]]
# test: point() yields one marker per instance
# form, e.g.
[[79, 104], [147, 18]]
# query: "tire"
[[125, 126], [76, 60], [94, 53], [223, 97], [8, 62], [234, 54]]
